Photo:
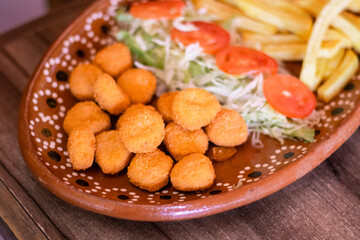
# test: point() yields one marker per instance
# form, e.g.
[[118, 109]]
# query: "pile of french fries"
[[282, 29]]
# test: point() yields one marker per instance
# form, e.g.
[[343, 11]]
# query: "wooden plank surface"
[[325, 204], [18, 216]]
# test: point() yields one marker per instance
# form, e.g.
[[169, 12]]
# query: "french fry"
[[312, 6], [224, 12], [230, 2], [329, 48], [296, 51], [333, 63], [333, 34], [354, 6], [285, 52], [282, 14], [325, 18], [247, 24], [320, 69], [339, 78], [347, 23], [282, 38]]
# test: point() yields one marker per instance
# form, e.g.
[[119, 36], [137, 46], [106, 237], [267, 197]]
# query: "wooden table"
[[325, 204]]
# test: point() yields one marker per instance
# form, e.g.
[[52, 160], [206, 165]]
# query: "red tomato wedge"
[[211, 37], [237, 60], [157, 10], [289, 96]]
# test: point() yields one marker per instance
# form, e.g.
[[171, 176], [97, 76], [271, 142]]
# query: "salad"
[[184, 48]]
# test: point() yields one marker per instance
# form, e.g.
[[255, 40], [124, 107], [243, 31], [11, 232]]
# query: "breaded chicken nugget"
[[227, 129], [141, 128], [109, 95], [194, 172], [181, 142], [150, 171], [194, 108], [87, 114], [111, 155], [81, 148], [82, 81], [139, 84], [114, 59], [164, 105]]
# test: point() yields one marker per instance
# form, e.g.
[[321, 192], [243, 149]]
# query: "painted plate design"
[[251, 174]]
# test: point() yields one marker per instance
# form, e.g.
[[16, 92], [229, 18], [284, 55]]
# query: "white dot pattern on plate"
[[45, 125]]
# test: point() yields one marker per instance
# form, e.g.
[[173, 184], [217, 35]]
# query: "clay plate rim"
[[180, 211]]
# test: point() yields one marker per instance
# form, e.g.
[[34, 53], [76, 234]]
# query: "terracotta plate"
[[260, 171]]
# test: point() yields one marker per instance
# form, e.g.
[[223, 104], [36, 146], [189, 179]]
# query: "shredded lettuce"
[[122, 16], [178, 67], [152, 58]]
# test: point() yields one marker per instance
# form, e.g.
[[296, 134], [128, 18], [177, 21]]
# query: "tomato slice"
[[157, 10], [289, 96], [211, 37], [237, 60]]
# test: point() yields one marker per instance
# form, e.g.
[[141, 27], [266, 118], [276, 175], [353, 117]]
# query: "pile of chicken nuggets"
[[184, 122]]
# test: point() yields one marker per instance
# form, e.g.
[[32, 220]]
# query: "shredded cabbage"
[[188, 66]]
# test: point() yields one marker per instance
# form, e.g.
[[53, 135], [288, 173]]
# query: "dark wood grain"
[[25, 52], [21, 213], [324, 204], [14, 211], [11, 70]]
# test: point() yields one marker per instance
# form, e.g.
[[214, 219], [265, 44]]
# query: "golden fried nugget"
[[111, 155], [81, 147], [87, 114], [164, 105], [150, 171], [110, 96], [141, 128], [181, 142], [194, 108], [139, 84], [194, 172], [82, 81], [227, 129], [114, 59]]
